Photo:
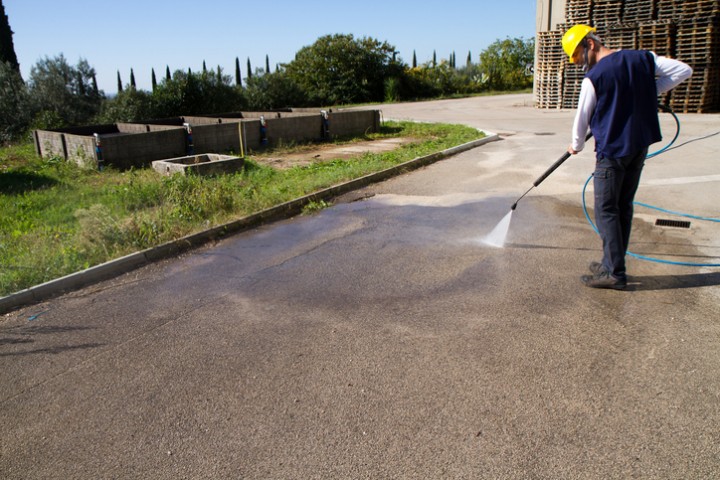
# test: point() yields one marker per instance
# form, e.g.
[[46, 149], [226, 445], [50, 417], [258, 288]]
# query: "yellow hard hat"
[[573, 37]]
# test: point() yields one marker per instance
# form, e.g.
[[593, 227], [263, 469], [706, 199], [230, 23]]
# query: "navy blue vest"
[[625, 119]]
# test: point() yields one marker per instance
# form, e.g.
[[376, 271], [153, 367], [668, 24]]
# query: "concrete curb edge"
[[119, 266]]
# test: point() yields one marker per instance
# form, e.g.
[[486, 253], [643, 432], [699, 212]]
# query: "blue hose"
[[643, 257]]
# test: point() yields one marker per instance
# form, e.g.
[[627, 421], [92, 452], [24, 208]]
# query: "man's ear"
[[591, 44]]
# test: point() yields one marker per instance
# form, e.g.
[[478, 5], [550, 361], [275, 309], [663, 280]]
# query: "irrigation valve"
[[98, 152]]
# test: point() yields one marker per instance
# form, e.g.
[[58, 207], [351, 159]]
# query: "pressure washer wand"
[[547, 173]]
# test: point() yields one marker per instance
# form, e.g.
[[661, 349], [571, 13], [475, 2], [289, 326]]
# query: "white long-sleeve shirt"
[[668, 72]]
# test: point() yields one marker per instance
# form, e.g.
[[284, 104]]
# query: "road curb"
[[125, 264]]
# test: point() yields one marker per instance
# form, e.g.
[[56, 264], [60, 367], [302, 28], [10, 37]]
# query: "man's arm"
[[670, 73], [586, 106]]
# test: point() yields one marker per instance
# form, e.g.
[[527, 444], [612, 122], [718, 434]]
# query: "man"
[[618, 102]]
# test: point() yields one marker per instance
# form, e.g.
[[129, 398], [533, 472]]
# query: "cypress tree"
[[414, 60], [168, 77], [219, 75], [434, 58], [119, 83], [96, 91], [204, 67], [153, 79], [469, 59], [81, 84], [267, 64], [7, 49], [132, 79], [238, 76], [249, 69]]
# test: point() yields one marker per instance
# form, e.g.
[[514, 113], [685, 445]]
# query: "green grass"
[[57, 218]]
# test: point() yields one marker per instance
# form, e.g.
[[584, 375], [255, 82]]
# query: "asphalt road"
[[381, 338]]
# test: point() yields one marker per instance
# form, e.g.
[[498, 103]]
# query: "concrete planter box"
[[204, 164]]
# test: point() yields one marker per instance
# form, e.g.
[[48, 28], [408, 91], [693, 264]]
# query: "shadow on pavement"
[[669, 282]]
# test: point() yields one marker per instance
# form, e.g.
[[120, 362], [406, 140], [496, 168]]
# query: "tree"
[[468, 62], [64, 92], [267, 64], [168, 77], [238, 75], [274, 90], [504, 61], [132, 79], [153, 79], [15, 104], [119, 82], [130, 105], [190, 93], [7, 49], [249, 69], [414, 64], [340, 69]]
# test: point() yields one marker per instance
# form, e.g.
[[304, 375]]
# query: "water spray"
[[496, 238]]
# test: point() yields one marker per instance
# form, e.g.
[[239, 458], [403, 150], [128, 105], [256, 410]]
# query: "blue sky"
[[181, 34]]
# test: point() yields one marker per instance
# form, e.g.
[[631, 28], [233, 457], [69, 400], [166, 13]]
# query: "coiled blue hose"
[[644, 257]]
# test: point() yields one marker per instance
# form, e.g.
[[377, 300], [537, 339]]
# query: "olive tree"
[[504, 63], [64, 92], [339, 69]]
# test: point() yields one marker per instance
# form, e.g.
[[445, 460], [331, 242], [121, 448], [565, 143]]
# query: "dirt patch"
[[310, 154]]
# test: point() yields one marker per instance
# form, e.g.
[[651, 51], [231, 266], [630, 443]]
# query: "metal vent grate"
[[672, 223]]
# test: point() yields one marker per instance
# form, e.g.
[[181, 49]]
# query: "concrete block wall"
[[292, 129], [354, 122], [139, 150], [126, 145], [216, 138], [81, 149], [49, 143]]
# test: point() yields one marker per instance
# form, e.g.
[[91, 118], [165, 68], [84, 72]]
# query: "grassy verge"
[[57, 218]]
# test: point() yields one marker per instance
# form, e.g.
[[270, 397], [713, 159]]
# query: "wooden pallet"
[[638, 11], [658, 36], [620, 35], [668, 9], [578, 11], [697, 8], [607, 12], [699, 93], [698, 41]]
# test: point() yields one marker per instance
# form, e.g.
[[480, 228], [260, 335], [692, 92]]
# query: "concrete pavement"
[[381, 338]]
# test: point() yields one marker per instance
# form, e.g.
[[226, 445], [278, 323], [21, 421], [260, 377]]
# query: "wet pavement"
[[381, 338]]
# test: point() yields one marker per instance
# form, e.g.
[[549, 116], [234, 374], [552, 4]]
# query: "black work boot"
[[603, 279], [596, 267]]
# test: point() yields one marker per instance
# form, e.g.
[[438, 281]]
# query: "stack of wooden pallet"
[[688, 30], [698, 44], [549, 70]]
